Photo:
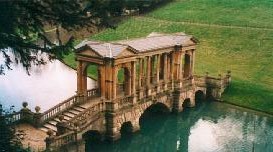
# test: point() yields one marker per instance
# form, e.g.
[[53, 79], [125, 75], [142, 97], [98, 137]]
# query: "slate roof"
[[152, 42], [110, 50], [158, 40]]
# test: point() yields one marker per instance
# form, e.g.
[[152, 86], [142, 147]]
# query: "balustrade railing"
[[93, 93], [59, 108], [82, 118], [13, 117], [186, 83], [65, 105], [123, 101], [67, 138], [211, 81]]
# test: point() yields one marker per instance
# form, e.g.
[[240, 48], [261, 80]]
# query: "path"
[[207, 24]]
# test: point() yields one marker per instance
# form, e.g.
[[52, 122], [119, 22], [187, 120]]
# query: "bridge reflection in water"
[[210, 126]]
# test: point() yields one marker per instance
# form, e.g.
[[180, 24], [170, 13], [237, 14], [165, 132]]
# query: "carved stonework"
[[125, 53], [90, 53]]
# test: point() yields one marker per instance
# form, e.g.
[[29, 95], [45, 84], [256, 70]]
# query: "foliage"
[[23, 22], [10, 140]]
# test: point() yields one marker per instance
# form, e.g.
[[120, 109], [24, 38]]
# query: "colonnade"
[[142, 71]]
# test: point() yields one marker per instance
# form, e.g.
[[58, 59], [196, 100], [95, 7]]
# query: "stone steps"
[[69, 114]]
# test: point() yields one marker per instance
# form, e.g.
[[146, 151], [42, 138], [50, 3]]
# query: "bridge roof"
[[156, 41], [152, 42]]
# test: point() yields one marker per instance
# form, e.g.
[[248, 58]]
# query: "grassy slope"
[[246, 52]]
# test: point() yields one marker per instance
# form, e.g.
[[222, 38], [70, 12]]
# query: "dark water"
[[46, 86], [209, 127]]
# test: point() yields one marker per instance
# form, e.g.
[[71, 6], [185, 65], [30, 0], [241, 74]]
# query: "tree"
[[22, 24], [10, 141]]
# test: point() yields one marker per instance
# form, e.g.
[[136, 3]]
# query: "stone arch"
[[92, 135], [186, 103], [90, 68], [152, 114], [199, 96], [91, 139], [126, 129], [123, 80]]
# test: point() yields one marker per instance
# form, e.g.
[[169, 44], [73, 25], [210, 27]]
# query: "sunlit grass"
[[246, 52]]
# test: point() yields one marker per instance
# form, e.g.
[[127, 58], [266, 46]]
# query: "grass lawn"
[[246, 52]]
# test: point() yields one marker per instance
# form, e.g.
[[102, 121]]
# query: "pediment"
[[126, 52], [90, 52]]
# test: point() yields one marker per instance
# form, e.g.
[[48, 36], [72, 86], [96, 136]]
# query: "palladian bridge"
[[133, 75]]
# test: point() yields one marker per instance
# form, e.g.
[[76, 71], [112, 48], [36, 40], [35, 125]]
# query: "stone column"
[[79, 78], [192, 62], [140, 73], [165, 70], [84, 78], [148, 76], [157, 68], [148, 71], [112, 132], [102, 80], [108, 79], [157, 72], [133, 77], [114, 82], [181, 66], [168, 68], [172, 68], [152, 69]]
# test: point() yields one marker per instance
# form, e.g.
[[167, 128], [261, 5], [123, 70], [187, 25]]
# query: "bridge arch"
[[92, 136], [126, 129], [200, 96], [186, 103], [151, 115]]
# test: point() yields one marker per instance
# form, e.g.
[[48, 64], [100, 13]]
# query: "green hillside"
[[233, 35]]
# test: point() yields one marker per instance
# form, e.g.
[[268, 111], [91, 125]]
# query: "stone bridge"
[[133, 75]]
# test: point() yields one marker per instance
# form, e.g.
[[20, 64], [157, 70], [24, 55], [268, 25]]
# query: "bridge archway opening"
[[209, 95], [91, 71], [153, 118], [187, 64], [93, 139], [123, 82], [92, 136], [199, 96], [126, 129], [186, 103]]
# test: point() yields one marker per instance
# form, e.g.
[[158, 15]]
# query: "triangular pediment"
[[89, 52], [126, 52]]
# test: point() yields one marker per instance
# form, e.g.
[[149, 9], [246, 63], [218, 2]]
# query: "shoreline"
[[245, 108], [74, 68]]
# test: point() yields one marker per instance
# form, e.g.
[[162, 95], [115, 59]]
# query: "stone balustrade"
[[93, 93], [53, 142], [82, 118], [38, 119]]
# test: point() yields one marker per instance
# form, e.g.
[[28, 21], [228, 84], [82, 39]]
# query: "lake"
[[46, 86], [209, 127]]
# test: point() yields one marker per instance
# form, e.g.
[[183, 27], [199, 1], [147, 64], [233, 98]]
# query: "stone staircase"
[[68, 114], [69, 108]]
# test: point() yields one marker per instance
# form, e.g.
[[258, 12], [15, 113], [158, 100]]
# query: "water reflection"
[[206, 128], [46, 86]]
